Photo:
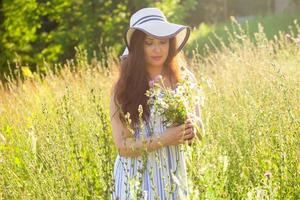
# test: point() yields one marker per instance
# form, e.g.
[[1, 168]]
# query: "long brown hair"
[[133, 78]]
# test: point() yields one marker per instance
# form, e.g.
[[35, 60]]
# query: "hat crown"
[[146, 14]]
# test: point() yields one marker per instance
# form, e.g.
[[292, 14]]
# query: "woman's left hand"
[[191, 132], [198, 128]]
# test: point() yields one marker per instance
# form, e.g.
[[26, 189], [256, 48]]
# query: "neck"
[[154, 71]]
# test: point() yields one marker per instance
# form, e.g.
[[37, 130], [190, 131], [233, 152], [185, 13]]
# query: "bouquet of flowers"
[[175, 105]]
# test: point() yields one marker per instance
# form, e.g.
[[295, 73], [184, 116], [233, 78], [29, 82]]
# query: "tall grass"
[[252, 115], [56, 140], [56, 136]]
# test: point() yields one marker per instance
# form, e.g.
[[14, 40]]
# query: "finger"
[[190, 139], [189, 131], [189, 136], [190, 118], [189, 121], [186, 131], [187, 126], [184, 126]]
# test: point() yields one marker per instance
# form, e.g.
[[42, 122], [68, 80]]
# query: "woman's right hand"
[[175, 135]]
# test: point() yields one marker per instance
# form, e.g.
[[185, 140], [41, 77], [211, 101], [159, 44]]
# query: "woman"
[[150, 164]]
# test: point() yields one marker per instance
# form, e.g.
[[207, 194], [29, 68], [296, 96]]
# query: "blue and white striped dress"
[[161, 175]]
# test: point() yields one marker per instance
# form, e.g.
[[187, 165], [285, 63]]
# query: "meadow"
[[56, 140]]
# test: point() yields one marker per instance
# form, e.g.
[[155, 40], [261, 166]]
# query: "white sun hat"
[[154, 23]]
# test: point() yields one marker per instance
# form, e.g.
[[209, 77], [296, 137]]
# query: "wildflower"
[[232, 18], [209, 83], [145, 194], [140, 110], [297, 40], [158, 78], [268, 175], [192, 85], [127, 117], [175, 105], [151, 83]]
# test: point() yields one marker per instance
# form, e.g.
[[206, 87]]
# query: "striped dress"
[[161, 174]]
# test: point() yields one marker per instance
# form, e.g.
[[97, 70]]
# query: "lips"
[[157, 58]]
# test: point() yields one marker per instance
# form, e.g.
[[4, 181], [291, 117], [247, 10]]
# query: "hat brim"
[[159, 29]]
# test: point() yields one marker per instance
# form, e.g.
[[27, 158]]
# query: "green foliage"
[[176, 11], [214, 36], [39, 31], [207, 11], [217, 11], [21, 21], [33, 32]]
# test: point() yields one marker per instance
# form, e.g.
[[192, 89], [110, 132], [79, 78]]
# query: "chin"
[[160, 63], [157, 64]]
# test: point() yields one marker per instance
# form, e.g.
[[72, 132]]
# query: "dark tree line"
[[34, 31]]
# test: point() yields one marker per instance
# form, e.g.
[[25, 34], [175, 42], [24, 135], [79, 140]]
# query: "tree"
[[49, 30], [41, 30]]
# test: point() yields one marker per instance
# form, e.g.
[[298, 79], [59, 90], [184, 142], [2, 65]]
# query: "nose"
[[157, 48]]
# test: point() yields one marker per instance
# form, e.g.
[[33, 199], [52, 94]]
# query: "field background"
[[55, 133]]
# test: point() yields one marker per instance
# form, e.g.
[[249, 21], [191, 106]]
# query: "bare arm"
[[128, 146], [125, 142]]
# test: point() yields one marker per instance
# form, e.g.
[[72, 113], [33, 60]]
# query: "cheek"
[[147, 51]]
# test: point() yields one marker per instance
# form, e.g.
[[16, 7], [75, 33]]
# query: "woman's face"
[[156, 51]]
